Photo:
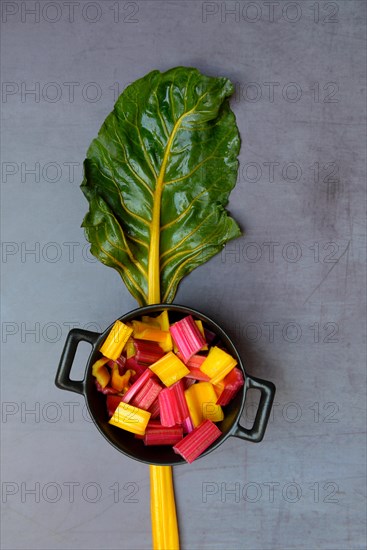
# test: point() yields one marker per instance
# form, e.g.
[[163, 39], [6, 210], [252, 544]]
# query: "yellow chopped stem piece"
[[163, 320], [201, 400], [103, 376], [199, 324], [116, 340], [151, 321], [193, 406], [98, 364], [148, 332], [167, 345], [169, 369], [130, 348], [163, 509], [129, 418], [118, 382], [101, 372], [218, 364]]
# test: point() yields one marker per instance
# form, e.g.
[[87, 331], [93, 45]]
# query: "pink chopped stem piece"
[[147, 352], [147, 395], [163, 435], [154, 409], [187, 337], [166, 407], [197, 441], [197, 374], [187, 425], [194, 362], [172, 405], [181, 408], [137, 386], [233, 382]]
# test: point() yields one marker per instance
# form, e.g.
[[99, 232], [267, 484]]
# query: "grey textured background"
[[297, 315]]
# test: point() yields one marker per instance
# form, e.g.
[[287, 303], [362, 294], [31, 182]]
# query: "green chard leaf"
[[158, 177]]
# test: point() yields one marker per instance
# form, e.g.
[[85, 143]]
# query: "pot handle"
[[256, 433], [75, 336]]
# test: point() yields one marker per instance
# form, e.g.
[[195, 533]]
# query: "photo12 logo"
[[320, 252], [51, 252], [290, 92], [272, 12], [52, 492], [36, 332], [67, 91], [34, 12], [37, 172], [270, 491]]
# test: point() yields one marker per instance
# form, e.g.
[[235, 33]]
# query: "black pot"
[[125, 442]]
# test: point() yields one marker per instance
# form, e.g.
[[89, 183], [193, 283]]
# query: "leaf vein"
[[143, 220], [184, 212], [124, 270], [186, 237], [176, 275], [189, 251]]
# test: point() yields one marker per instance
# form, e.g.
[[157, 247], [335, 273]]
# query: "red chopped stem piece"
[[197, 441], [233, 382], [187, 337], [147, 352], [154, 424], [137, 386], [163, 435], [147, 395], [154, 408], [107, 390], [112, 403], [166, 408], [132, 364]]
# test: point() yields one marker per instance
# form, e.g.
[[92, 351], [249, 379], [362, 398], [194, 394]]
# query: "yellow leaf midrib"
[[154, 291]]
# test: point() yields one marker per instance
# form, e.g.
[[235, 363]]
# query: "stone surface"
[[291, 291]]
